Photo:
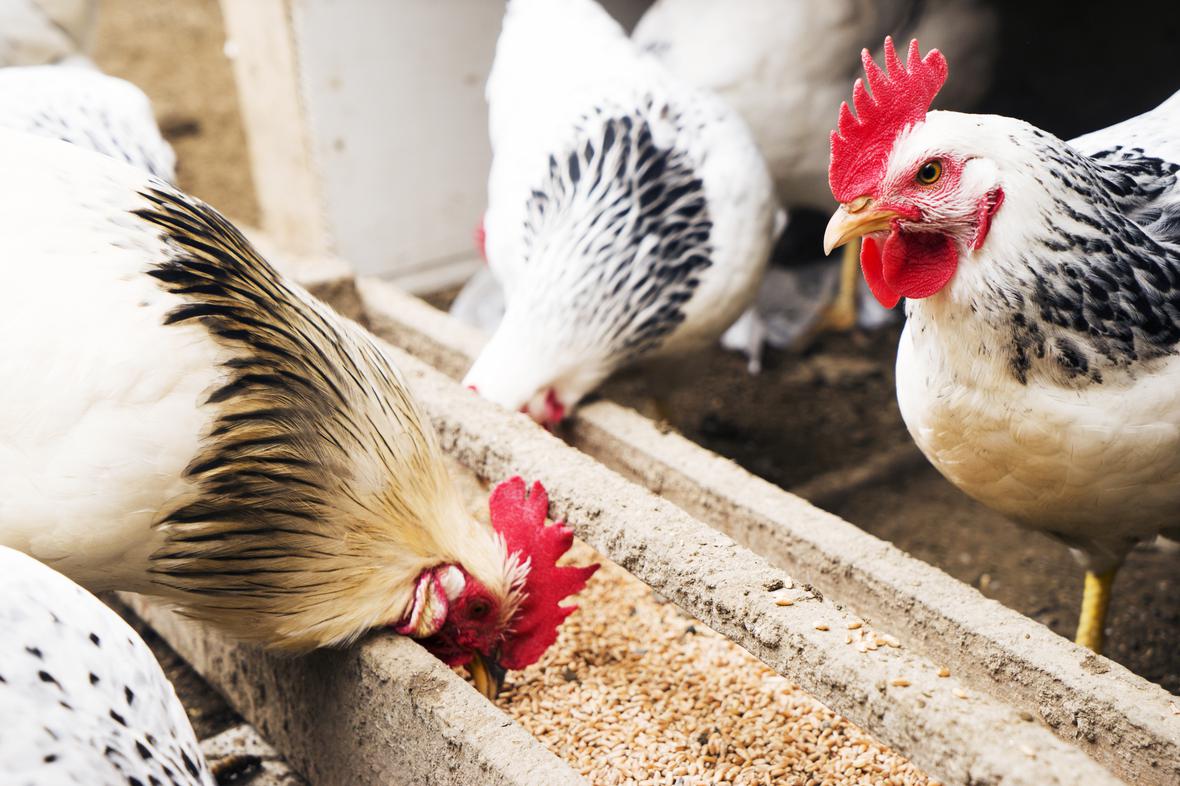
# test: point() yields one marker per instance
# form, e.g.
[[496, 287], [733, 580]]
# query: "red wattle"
[[870, 265], [917, 264]]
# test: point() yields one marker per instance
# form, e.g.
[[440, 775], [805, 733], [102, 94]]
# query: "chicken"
[[35, 32], [82, 697], [781, 65], [1038, 367], [629, 216], [83, 106], [178, 419]]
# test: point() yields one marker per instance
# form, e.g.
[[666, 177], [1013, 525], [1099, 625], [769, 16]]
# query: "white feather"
[[99, 408]]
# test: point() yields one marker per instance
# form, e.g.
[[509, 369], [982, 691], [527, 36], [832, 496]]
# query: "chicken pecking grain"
[[629, 215], [178, 419]]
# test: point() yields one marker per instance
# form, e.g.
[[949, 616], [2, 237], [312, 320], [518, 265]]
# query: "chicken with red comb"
[[901, 95], [518, 630], [1039, 369], [226, 441], [776, 63]]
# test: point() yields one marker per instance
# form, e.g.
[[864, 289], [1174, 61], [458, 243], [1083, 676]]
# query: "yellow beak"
[[487, 675], [855, 219]]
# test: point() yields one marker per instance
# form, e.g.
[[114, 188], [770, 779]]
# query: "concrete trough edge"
[[957, 735], [1120, 719], [383, 712]]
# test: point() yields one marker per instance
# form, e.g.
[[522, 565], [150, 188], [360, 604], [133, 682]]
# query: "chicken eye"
[[478, 609], [929, 172]]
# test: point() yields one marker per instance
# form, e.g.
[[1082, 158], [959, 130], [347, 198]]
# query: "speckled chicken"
[[179, 419], [80, 105], [1038, 369], [82, 698], [629, 215], [781, 65]]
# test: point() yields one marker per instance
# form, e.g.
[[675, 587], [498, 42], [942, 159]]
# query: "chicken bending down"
[[80, 105], [82, 697], [1038, 369], [781, 65], [178, 419], [629, 215]]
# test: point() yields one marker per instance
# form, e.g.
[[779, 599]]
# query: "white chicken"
[[36, 32], [781, 65], [82, 698], [629, 215], [178, 419], [1038, 370], [80, 105]]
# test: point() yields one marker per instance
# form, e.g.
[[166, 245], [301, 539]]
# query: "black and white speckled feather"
[[1044, 377], [629, 215], [82, 698], [1105, 271], [83, 106], [636, 215]]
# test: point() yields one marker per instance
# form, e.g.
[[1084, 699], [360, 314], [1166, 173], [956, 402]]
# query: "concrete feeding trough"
[[1020, 705], [335, 171]]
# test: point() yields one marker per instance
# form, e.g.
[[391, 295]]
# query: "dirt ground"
[[173, 49], [831, 407]]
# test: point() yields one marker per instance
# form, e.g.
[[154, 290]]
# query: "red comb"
[[901, 96], [520, 520]]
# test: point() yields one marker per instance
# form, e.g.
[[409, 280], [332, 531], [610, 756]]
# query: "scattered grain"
[[944, 672], [855, 624], [784, 602], [962, 694], [900, 682], [651, 706]]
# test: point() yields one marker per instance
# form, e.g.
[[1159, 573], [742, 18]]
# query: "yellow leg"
[[841, 314], [1095, 600]]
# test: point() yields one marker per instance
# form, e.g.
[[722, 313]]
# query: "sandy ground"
[[173, 49]]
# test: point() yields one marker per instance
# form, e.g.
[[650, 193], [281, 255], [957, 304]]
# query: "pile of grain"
[[636, 692]]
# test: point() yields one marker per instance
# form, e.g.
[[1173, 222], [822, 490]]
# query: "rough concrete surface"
[[1119, 718], [900, 697], [385, 712]]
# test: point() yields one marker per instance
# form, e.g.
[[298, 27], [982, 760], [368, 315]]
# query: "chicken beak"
[[855, 219], [487, 674]]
